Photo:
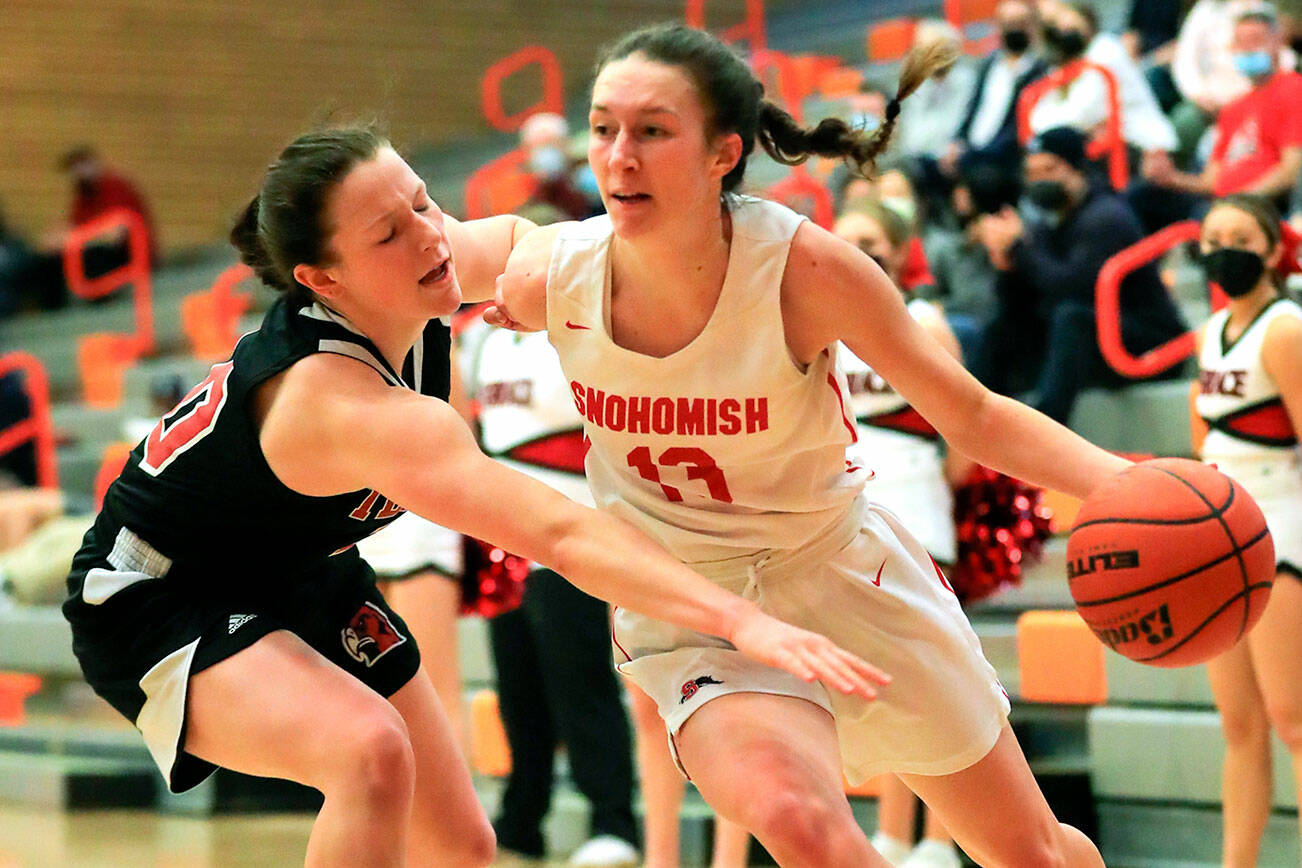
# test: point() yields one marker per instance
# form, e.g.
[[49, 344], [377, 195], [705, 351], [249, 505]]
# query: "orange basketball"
[[1170, 563]]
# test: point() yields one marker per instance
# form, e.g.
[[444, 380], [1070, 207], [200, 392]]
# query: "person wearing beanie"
[[1048, 261]]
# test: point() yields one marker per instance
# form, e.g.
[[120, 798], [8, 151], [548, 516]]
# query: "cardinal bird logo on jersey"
[[690, 688], [370, 635]]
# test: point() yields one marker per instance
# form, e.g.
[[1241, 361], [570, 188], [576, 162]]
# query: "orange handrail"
[[752, 29], [1107, 305], [490, 87], [136, 271], [37, 427], [1111, 141], [499, 186]]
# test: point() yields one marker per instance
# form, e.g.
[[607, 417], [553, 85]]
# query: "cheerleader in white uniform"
[[1247, 412], [697, 330], [912, 478]]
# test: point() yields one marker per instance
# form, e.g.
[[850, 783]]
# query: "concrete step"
[[1183, 836], [70, 782], [1168, 755]]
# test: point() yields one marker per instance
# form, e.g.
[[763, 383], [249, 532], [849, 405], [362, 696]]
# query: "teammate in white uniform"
[[910, 479], [1248, 410], [555, 684], [698, 329]]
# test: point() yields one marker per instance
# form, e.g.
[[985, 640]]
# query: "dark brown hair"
[[284, 224], [734, 98]]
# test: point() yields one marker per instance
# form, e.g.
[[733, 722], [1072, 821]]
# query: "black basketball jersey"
[[199, 490]]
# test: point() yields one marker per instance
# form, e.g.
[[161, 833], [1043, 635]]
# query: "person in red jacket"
[[97, 190]]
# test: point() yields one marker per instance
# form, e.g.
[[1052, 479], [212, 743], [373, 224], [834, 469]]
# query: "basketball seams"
[[1238, 551], [1245, 594]]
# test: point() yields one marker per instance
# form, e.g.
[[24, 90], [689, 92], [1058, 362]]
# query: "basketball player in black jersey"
[[219, 602]]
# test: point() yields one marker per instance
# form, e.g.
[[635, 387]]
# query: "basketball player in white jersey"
[[698, 330], [910, 479], [1247, 412]]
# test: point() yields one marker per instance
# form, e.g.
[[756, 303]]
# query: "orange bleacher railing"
[[499, 186], [210, 319], [103, 357], [752, 29], [1107, 305], [1110, 142], [889, 40], [37, 427], [490, 87], [136, 271]]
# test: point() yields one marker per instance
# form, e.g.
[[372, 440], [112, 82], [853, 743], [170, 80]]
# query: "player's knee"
[[1044, 847], [374, 760], [474, 847], [1245, 727], [800, 822], [1286, 720]]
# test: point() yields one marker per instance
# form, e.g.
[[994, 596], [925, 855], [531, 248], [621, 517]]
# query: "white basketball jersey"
[[1237, 399], [526, 415], [725, 446]]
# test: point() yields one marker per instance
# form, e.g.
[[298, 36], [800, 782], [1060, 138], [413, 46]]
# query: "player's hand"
[[806, 655], [497, 314]]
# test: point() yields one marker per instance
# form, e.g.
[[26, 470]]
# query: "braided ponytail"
[[787, 142]]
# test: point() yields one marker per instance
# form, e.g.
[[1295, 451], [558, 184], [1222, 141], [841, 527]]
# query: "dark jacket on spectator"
[[1062, 263]]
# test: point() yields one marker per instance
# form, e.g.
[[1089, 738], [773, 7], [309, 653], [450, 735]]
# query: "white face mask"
[[905, 207], [547, 162]]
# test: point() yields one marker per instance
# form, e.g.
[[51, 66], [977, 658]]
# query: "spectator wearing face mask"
[[1044, 329], [545, 139], [964, 279], [1071, 33], [1258, 146], [987, 133]]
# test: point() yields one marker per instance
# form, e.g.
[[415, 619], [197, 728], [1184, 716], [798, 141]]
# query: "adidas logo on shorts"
[[238, 621]]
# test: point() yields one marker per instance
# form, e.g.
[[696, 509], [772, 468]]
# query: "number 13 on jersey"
[[699, 466]]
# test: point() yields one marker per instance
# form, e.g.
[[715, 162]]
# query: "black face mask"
[[1236, 271], [1049, 195], [1064, 44], [1015, 41]]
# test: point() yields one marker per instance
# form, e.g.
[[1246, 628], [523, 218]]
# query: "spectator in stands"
[[987, 133], [1258, 135], [930, 119], [15, 263], [1071, 33], [1150, 36], [1045, 325], [963, 278], [97, 190], [545, 138], [1205, 73]]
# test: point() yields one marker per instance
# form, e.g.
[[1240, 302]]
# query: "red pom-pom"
[[493, 582], [999, 522]]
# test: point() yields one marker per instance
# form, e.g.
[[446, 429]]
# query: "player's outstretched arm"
[[480, 249], [335, 427], [832, 291], [521, 299]]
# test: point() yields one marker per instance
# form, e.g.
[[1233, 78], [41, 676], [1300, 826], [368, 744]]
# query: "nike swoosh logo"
[[574, 325], [878, 580]]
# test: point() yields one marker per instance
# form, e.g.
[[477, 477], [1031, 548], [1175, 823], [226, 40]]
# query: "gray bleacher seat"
[[1168, 755], [1150, 418]]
